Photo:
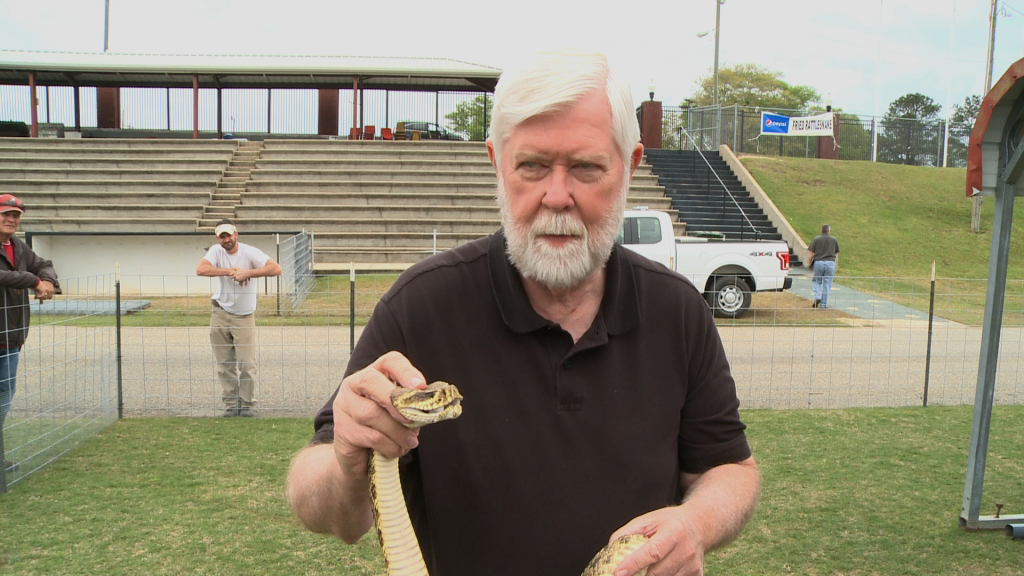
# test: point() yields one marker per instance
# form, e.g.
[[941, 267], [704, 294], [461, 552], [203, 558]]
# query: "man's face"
[[228, 241], [9, 221], [562, 186]]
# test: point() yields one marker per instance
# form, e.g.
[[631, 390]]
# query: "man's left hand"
[[675, 547], [44, 290], [240, 276]]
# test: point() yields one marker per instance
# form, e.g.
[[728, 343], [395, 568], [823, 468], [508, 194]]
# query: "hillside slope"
[[890, 220]]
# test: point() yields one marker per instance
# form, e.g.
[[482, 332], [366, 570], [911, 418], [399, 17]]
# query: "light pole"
[[718, 109], [718, 26]]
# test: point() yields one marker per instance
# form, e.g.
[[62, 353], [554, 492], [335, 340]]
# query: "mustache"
[[560, 224]]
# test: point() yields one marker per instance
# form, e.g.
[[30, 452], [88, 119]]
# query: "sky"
[[862, 55]]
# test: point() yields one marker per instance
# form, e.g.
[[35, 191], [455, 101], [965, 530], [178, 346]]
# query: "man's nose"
[[560, 191]]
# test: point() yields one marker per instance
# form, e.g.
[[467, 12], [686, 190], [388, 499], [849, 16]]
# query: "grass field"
[[890, 220], [846, 492]]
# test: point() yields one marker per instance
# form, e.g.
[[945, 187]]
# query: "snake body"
[[441, 401]]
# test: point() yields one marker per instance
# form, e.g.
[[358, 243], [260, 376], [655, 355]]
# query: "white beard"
[[565, 267]]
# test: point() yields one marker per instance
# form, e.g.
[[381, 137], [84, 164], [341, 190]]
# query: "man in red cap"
[[21, 270]]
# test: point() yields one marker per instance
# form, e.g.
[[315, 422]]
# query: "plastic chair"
[[353, 133], [368, 132], [385, 134]]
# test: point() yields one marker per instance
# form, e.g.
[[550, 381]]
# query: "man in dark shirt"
[[598, 400], [824, 253], [21, 271]]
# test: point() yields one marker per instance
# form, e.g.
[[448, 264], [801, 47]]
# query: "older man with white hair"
[[598, 399]]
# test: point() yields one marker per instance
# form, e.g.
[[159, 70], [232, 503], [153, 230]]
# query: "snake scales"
[[441, 401]]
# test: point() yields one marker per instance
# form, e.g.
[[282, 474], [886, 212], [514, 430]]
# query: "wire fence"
[[295, 256], [66, 381], [875, 346], [869, 138]]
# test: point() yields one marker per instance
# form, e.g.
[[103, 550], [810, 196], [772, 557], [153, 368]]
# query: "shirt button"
[[567, 364]]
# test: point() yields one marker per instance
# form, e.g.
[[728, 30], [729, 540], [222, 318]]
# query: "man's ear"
[[636, 158], [491, 154]]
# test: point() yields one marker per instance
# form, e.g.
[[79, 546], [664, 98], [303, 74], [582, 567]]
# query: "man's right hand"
[[328, 486], [364, 417], [44, 290]]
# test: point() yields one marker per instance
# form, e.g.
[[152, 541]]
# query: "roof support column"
[[327, 115], [220, 107], [355, 104], [195, 107], [78, 110], [35, 111], [220, 114]]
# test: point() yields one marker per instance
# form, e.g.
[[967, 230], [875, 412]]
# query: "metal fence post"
[[874, 141], [931, 321], [117, 323], [3, 468], [352, 308], [277, 238]]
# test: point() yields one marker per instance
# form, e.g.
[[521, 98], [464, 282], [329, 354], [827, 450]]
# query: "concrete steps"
[[231, 187]]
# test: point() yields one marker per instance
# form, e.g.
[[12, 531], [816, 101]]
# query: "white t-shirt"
[[232, 296]]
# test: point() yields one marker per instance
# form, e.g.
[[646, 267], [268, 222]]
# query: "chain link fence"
[[868, 138], [295, 255], [84, 365]]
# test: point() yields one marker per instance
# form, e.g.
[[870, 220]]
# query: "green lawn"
[[859, 491], [891, 220]]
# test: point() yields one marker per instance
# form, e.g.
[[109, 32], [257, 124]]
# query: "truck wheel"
[[730, 297]]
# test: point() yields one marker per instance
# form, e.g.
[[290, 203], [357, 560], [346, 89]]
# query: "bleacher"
[[113, 185], [380, 204], [384, 203]]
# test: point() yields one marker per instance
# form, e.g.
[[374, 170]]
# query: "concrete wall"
[[150, 264]]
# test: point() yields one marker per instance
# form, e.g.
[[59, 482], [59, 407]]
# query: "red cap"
[[10, 202]]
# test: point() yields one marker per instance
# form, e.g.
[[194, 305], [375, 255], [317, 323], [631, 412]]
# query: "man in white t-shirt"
[[233, 322]]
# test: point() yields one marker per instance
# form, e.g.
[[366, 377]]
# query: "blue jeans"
[[824, 270], [8, 373]]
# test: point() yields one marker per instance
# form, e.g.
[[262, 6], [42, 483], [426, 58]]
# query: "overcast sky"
[[863, 54]]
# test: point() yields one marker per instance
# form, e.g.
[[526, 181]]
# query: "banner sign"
[[779, 125]]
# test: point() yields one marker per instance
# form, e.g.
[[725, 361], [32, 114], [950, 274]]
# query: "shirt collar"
[[620, 308]]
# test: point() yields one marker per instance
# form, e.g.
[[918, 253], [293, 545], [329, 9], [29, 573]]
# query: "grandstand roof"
[[238, 71]]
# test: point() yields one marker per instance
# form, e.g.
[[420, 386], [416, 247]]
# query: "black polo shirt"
[[559, 443]]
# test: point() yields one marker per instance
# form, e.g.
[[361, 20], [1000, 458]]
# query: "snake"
[[438, 402]]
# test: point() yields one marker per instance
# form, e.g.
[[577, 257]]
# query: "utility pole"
[[989, 62], [106, 23], [718, 26], [718, 107]]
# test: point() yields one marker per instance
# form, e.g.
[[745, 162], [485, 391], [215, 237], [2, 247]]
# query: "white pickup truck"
[[727, 271]]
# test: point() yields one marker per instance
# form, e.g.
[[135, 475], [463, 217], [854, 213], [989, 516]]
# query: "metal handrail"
[[757, 233]]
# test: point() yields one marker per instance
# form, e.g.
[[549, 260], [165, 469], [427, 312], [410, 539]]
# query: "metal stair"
[[709, 198]]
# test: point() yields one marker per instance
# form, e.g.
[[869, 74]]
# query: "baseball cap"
[[222, 229], [9, 202]]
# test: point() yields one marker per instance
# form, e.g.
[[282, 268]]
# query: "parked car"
[[430, 131]]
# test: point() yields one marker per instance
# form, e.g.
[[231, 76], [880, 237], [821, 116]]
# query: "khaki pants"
[[234, 348]]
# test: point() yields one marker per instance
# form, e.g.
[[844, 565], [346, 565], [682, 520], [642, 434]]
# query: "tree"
[[961, 123], [915, 106], [911, 132], [967, 112], [468, 118], [754, 85]]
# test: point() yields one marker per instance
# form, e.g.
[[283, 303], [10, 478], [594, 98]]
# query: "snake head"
[[437, 402]]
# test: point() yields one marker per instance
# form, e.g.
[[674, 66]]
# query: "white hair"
[[554, 81]]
